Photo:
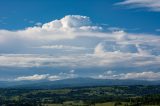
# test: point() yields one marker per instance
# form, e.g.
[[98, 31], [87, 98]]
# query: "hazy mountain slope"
[[74, 82]]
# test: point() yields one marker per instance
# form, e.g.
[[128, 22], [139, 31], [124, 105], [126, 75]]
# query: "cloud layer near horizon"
[[148, 75], [59, 76], [74, 41]]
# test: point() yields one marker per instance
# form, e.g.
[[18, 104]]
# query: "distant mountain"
[[74, 82], [8, 84]]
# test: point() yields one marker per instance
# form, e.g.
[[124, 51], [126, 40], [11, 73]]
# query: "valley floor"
[[137, 95]]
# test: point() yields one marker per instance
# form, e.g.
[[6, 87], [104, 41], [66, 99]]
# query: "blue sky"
[[59, 39], [19, 14]]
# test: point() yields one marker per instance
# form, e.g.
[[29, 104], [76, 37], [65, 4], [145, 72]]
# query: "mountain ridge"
[[73, 82]]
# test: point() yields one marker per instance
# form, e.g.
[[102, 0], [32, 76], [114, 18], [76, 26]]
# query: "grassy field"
[[98, 104], [105, 104]]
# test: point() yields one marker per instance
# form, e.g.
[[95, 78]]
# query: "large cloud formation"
[[74, 41]]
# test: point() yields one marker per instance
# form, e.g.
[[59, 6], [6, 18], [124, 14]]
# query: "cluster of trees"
[[129, 95], [136, 101]]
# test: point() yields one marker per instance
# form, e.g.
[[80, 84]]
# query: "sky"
[[60, 39]]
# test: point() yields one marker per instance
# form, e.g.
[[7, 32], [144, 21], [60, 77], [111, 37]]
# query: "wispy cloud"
[[66, 47], [33, 77], [146, 75], [153, 5], [59, 76], [158, 30]]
